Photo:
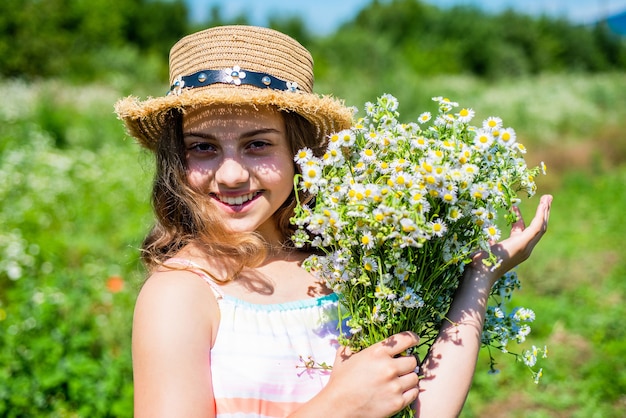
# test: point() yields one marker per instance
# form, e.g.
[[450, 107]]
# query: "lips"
[[236, 200]]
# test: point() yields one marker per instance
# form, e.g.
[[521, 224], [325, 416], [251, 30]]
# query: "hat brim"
[[146, 119]]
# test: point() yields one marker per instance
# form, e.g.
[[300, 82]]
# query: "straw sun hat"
[[236, 65]]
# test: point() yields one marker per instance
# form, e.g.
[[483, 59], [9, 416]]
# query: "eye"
[[258, 145], [201, 147]]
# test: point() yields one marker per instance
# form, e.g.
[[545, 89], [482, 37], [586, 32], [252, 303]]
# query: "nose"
[[231, 173]]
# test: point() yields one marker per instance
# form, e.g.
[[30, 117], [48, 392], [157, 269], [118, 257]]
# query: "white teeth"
[[238, 200]]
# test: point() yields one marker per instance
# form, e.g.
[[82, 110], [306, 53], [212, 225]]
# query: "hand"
[[377, 381], [520, 244]]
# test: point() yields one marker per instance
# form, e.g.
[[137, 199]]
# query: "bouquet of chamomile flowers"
[[400, 208]]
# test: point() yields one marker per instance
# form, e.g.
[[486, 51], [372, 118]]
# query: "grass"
[[74, 208], [575, 285]]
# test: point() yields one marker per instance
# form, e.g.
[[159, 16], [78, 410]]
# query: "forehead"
[[230, 116]]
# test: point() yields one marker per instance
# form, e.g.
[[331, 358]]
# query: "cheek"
[[197, 178], [279, 172]]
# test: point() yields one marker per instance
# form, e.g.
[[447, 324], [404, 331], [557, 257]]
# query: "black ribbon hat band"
[[234, 75]]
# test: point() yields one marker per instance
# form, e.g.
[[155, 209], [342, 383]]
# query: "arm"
[[172, 335], [449, 366]]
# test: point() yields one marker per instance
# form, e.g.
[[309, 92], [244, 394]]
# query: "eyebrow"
[[245, 135]]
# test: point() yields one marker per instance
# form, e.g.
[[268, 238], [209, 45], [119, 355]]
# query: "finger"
[[405, 365], [527, 239], [408, 382], [539, 224], [546, 201], [409, 379], [343, 353], [518, 225], [410, 395], [400, 342]]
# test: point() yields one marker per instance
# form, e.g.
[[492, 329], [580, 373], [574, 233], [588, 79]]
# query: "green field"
[[74, 205]]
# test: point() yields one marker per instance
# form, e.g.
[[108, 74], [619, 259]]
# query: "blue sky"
[[323, 16]]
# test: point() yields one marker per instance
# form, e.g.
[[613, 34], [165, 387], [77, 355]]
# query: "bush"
[[65, 346], [72, 219]]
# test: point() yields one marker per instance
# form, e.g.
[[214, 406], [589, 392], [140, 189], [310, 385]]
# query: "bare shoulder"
[[173, 300], [174, 325], [178, 282]]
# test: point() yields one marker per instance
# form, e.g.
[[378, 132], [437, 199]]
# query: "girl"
[[228, 323]]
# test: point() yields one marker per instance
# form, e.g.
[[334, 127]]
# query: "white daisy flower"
[[304, 155], [438, 227], [492, 232], [368, 155], [483, 139], [454, 213], [346, 138], [524, 314], [507, 137], [311, 170], [446, 120], [367, 240], [465, 115], [480, 191], [370, 109], [449, 196], [408, 225], [370, 264], [334, 140], [424, 117], [389, 102], [333, 157], [419, 143], [492, 123]]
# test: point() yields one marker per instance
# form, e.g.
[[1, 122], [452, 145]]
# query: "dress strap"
[[188, 265]]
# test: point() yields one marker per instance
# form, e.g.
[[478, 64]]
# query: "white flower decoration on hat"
[[178, 85], [234, 75], [292, 86]]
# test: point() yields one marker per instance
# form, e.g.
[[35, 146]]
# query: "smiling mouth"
[[236, 200]]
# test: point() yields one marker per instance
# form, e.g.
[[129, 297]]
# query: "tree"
[[59, 37]]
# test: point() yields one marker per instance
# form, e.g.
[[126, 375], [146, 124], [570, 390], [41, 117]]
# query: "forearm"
[[324, 404], [449, 366]]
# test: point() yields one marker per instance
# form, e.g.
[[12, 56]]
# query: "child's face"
[[239, 156]]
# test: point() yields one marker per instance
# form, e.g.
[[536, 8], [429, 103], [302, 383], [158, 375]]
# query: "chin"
[[241, 227]]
